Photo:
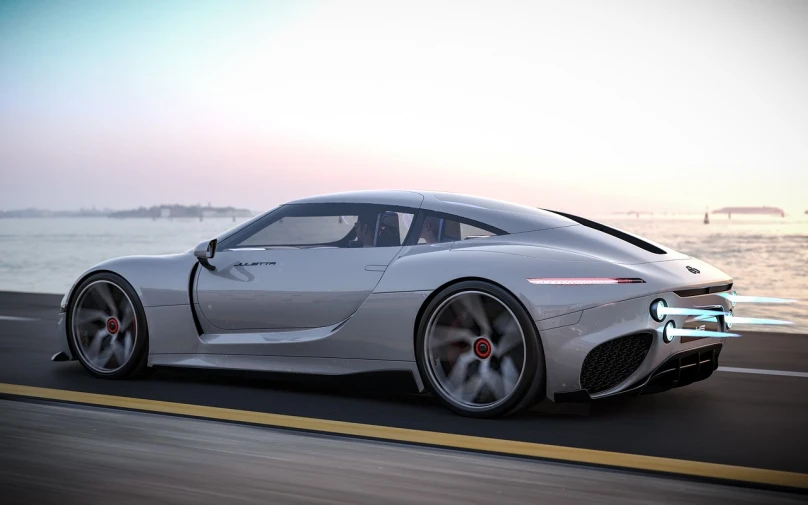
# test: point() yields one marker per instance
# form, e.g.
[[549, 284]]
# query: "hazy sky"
[[580, 106]]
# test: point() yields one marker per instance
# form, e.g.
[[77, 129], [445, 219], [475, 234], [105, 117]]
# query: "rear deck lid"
[[605, 243]]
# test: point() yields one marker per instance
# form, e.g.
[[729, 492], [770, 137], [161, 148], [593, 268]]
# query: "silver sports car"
[[489, 305]]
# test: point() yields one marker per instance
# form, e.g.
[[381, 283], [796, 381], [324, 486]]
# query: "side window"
[[297, 231], [437, 228], [468, 231], [330, 225], [384, 228]]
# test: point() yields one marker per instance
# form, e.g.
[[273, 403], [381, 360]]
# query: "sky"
[[601, 106]]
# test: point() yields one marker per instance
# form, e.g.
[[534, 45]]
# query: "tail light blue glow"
[[660, 310], [678, 332]]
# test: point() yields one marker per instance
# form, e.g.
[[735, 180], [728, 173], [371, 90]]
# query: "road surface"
[[751, 413]]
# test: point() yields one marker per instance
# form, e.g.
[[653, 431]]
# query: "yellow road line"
[[570, 454]]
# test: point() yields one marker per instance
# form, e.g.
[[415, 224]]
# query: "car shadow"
[[386, 389]]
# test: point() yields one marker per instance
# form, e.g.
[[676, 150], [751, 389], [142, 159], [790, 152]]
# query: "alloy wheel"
[[104, 327], [475, 350]]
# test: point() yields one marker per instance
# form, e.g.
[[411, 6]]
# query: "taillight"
[[585, 281]]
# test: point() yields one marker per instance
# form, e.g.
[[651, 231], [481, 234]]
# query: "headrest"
[[388, 231], [451, 231]]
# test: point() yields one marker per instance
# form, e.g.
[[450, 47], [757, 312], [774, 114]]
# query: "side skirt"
[[287, 364]]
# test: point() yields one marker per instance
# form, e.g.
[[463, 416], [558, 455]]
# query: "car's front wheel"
[[479, 351], [107, 327]]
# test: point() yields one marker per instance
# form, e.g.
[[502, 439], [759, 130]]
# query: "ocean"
[[767, 256]]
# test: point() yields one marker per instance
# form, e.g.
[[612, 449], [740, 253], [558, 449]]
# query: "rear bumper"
[[618, 347], [680, 369]]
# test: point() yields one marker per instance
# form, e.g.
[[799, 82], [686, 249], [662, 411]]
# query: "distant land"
[[750, 210], [54, 213], [154, 212], [180, 211]]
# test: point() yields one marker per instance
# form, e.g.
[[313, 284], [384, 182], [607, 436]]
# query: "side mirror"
[[205, 251]]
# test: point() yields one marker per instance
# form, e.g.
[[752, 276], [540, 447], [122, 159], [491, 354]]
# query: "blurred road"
[[64, 455], [744, 419]]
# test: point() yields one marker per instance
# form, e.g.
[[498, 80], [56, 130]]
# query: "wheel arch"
[[458, 280], [137, 301], [538, 388], [71, 295]]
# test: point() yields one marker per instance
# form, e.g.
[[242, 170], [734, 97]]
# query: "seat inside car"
[[450, 231], [389, 235]]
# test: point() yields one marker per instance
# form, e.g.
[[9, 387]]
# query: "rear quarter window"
[[447, 228]]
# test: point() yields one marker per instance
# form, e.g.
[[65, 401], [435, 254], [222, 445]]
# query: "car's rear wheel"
[[479, 351], [107, 327]]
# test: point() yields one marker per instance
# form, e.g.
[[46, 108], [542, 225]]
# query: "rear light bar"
[[711, 315], [735, 298], [675, 332], [585, 281]]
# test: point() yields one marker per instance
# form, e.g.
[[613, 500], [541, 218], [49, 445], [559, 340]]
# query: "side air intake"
[[612, 362]]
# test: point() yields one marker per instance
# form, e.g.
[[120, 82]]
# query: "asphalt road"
[[732, 418], [64, 455]]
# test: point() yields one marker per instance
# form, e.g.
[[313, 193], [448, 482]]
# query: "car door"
[[302, 268]]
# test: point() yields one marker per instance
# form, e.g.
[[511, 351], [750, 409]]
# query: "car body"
[[288, 291]]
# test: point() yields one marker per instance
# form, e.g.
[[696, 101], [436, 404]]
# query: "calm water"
[[766, 256]]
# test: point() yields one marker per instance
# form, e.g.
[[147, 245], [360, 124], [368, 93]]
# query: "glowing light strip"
[[711, 315], [585, 281], [677, 311], [742, 320], [678, 332], [753, 320], [754, 299]]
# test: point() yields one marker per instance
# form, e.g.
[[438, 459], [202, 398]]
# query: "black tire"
[[530, 387], [136, 364]]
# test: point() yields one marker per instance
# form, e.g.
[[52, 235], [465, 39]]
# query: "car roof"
[[509, 217], [382, 197]]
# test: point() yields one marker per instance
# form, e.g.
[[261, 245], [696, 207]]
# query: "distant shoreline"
[[195, 212], [662, 216], [751, 211], [154, 212], [170, 218]]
